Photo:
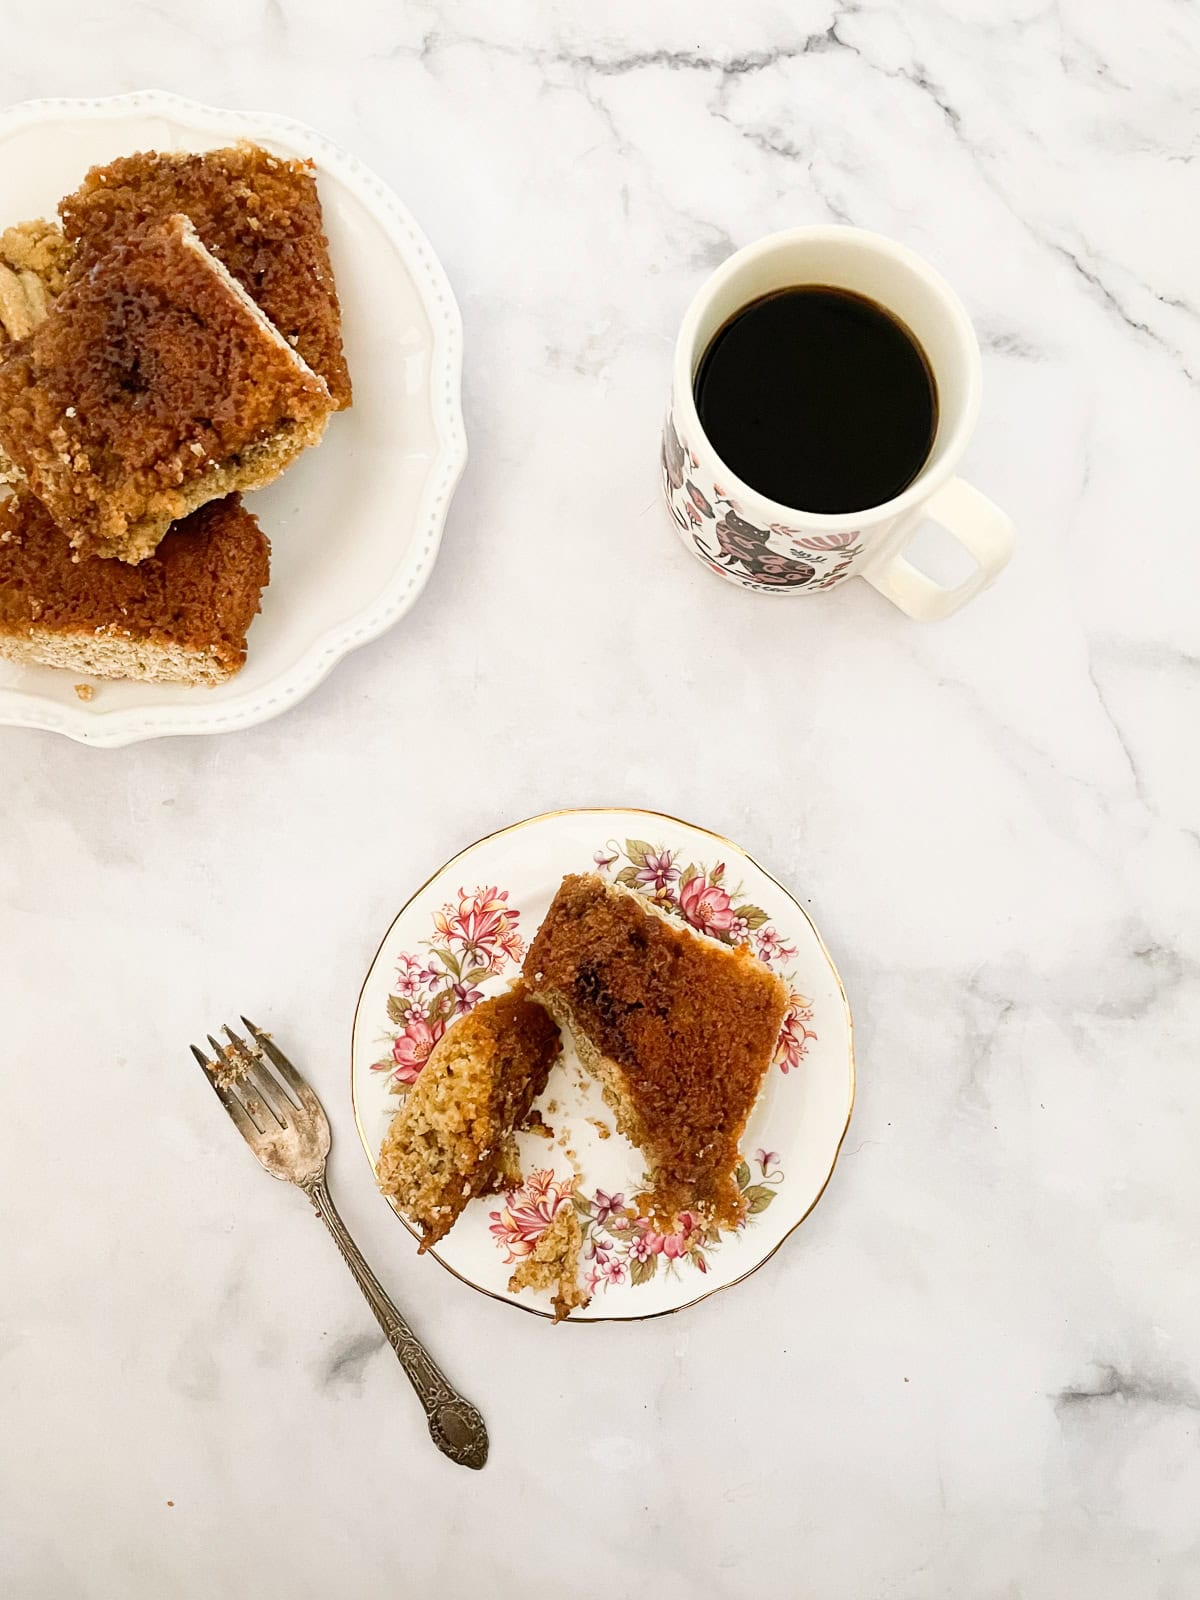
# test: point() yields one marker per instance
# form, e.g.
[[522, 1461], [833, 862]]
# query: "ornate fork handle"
[[454, 1423]]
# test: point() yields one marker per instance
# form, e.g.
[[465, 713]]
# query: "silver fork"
[[283, 1122]]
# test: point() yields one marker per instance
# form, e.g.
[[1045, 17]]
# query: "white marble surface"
[[974, 1373]]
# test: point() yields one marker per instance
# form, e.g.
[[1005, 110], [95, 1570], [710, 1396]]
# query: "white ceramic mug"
[[776, 549]]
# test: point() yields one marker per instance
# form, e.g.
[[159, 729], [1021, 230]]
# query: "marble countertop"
[[975, 1371]]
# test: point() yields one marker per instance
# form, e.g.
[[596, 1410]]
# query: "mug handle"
[[980, 527]]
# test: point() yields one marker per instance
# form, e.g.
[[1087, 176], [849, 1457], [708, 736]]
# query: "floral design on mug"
[[818, 541], [776, 557]]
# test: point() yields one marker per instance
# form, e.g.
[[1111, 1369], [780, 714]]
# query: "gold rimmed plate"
[[462, 936]]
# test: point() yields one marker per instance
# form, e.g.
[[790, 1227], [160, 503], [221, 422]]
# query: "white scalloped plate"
[[471, 922], [355, 525]]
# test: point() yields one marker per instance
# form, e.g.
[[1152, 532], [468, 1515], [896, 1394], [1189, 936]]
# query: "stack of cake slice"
[[176, 344]]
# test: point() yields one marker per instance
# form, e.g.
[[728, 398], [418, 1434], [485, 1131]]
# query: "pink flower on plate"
[[767, 1160], [739, 930], [465, 997], [678, 1243], [644, 1245], [432, 977], [610, 1271], [604, 1205], [658, 870], [794, 1038], [408, 975], [481, 925], [412, 1048], [772, 947], [529, 1211], [706, 906], [604, 859]]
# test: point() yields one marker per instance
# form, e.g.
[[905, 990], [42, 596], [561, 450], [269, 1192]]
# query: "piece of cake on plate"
[[678, 1028], [154, 385], [453, 1138], [33, 269], [179, 617], [258, 213], [553, 1264]]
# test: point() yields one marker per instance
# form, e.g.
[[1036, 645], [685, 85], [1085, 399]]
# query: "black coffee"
[[818, 398]]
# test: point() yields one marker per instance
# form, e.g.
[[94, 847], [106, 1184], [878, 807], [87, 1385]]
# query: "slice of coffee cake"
[[259, 214], [678, 1029], [154, 385], [453, 1137], [179, 617]]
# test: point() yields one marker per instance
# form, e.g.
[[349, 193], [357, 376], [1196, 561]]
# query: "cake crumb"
[[536, 1123], [231, 1067], [602, 1128], [554, 1263], [85, 691]]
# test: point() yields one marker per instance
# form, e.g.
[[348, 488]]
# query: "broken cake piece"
[[554, 1263], [678, 1029], [179, 617], [258, 213], [33, 268], [154, 385], [452, 1139]]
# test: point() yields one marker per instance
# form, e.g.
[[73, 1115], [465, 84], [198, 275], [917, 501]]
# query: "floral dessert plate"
[[463, 936], [385, 471]]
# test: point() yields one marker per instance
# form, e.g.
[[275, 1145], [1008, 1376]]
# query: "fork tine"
[[300, 1089], [246, 1061], [254, 1052], [242, 1119], [256, 1078]]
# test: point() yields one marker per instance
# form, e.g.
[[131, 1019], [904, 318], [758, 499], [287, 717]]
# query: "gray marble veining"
[[974, 1372]]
